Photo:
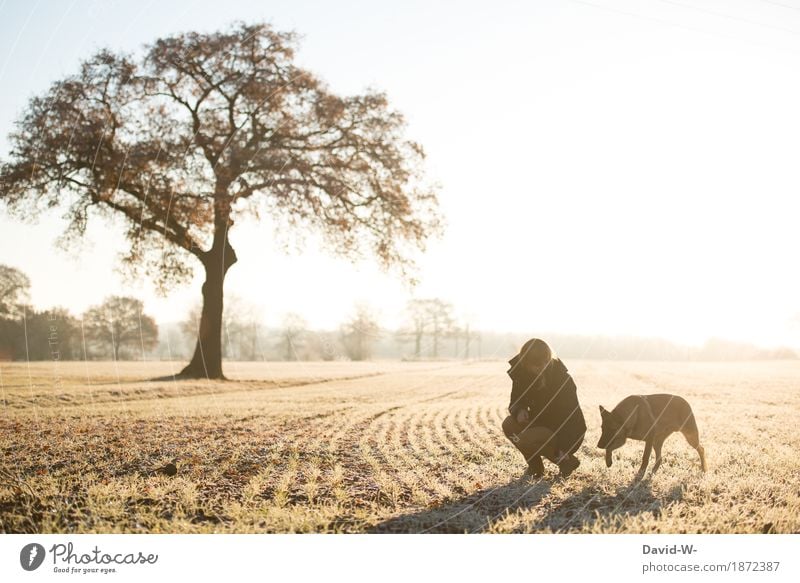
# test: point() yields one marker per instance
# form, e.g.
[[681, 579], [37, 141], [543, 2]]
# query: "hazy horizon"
[[588, 188]]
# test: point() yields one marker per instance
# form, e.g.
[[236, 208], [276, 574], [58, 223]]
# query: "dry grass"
[[379, 447]]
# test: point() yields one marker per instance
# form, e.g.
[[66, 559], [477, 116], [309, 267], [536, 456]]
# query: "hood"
[[556, 368]]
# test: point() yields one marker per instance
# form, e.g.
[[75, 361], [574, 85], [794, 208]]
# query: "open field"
[[380, 447]]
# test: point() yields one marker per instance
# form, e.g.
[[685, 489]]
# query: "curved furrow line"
[[380, 486], [503, 449], [416, 474], [411, 434], [477, 427], [467, 422], [347, 428], [346, 468], [500, 414], [293, 473], [470, 472], [493, 426], [490, 448], [456, 453], [492, 429], [322, 459], [456, 472], [340, 450], [482, 440], [442, 436], [421, 439], [396, 462]]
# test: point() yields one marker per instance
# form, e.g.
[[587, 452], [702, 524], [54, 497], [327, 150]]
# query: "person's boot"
[[569, 465], [535, 467]]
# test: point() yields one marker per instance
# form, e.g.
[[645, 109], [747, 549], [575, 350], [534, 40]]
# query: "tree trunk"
[[115, 338], [207, 359]]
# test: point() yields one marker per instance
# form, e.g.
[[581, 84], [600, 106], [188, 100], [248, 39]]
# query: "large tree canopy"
[[14, 290], [180, 141]]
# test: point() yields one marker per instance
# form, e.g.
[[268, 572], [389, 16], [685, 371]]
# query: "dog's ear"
[[603, 410]]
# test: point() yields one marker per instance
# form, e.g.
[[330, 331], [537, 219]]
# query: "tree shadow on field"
[[473, 513], [594, 507]]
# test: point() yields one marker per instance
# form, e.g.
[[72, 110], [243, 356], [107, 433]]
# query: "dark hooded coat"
[[554, 405]]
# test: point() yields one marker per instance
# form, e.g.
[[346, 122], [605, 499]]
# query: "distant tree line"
[[118, 329]]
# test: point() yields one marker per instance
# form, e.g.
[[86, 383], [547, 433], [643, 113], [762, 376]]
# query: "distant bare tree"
[[323, 345], [241, 326], [14, 291], [414, 330], [119, 323], [360, 332], [292, 332], [440, 315], [432, 317], [205, 128], [190, 324], [467, 335]]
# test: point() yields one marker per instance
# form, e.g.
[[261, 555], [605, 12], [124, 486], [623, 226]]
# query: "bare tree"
[[440, 315], [417, 320], [190, 325], [432, 317], [119, 323], [467, 335], [292, 332], [14, 291], [360, 332], [241, 324], [203, 129]]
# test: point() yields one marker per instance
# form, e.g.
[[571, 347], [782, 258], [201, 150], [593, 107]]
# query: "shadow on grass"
[[593, 507], [473, 513], [580, 512]]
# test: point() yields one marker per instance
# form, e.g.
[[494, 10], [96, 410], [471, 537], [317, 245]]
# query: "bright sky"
[[608, 166]]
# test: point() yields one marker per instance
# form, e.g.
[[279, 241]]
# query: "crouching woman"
[[545, 418]]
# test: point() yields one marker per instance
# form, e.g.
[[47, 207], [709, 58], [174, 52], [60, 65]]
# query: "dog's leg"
[[648, 447], [702, 453], [657, 443], [694, 440]]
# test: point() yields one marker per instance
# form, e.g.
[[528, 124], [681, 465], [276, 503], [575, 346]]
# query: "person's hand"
[[522, 416]]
